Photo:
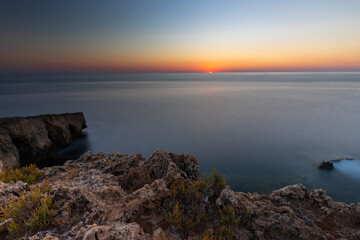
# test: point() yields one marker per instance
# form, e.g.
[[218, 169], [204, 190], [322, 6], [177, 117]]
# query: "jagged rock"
[[160, 165], [187, 164], [294, 213], [102, 209], [326, 165], [10, 191], [41, 236], [26, 140], [147, 197], [130, 231]]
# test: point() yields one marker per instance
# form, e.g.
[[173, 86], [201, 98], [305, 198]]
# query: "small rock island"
[[326, 165]]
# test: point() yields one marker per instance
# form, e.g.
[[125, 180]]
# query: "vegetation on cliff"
[[118, 196], [27, 174], [191, 207], [31, 211]]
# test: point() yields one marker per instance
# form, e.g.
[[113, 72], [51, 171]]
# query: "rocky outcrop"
[[329, 164], [326, 165], [102, 209], [26, 140], [295, 213]]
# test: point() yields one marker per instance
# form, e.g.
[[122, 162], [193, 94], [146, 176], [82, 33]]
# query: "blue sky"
[[223, 35]]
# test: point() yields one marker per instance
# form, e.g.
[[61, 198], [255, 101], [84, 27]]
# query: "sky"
[[179, 36]]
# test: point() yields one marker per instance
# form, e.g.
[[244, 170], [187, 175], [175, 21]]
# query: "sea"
[[263, 131]]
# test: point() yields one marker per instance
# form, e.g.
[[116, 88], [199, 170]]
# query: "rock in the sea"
[[326, 165], [26, 140]]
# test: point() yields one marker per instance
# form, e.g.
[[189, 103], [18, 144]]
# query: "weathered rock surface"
[[101, 209], [26, 140]]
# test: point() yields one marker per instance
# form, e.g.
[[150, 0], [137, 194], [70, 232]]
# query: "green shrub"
[[45, 187], [188, 192], [228, 219], [26, 174], [228, 216], [135, 179], [215, 183], [183, 221], [191, 202], [29, 212], [41, 217], [185, 209], [221, 233]]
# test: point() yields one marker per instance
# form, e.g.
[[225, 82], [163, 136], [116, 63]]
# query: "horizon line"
[[356, 70]]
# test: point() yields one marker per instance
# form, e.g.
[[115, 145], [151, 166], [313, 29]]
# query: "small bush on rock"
[[26, 174], [228, 220], [215, 183], [45, 187], [188, 208], [184, 222], [29, 212], [220, 233], [228, 217], [135, 179]]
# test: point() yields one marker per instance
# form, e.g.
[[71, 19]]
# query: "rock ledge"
[[25, 140], [104, 210]]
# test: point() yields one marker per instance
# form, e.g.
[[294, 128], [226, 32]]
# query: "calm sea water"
[[262, 130]]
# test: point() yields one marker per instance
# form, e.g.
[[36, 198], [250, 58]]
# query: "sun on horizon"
[[184, 36]]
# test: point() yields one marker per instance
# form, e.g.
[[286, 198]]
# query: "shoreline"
[[124, 196]]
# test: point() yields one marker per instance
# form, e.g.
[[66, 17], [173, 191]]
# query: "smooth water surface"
[[262, 130]]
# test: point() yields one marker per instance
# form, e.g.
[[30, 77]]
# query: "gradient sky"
[[186, 35]]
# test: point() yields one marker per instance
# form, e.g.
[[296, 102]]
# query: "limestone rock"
[[25, 140], [101, 209], [10, 191], [293, 212]]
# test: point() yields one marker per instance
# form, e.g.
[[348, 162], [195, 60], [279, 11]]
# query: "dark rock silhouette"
[[25, 140], [326, 165]]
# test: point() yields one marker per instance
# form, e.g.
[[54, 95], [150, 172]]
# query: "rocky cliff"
[[118, 196], [26, 140]]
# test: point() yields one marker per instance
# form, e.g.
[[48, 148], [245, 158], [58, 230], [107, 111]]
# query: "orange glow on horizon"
[[289, 37], [221, 61], [191, 56]]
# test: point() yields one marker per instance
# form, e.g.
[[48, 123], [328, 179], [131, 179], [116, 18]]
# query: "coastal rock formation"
[[329, 164], [25, 140], [95, 201], [326, 165]]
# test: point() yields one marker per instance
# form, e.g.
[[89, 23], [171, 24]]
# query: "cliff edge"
[[25, 140], [119, 196]]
